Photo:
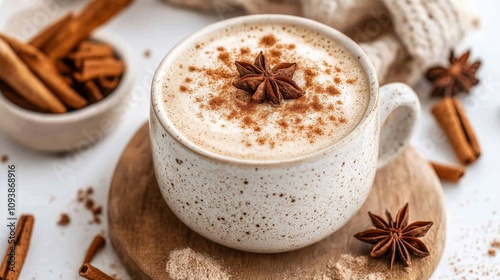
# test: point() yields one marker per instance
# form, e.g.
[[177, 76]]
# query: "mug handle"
[[399, 110]]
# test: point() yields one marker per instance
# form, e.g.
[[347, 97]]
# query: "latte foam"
[[206, 108]]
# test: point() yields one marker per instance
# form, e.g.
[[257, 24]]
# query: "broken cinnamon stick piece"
[[89, 50], [63, 68], [18, 76], [81, 26], [97, 244], [108, 84], [95, 68], [50, 31], [92, 92], [448, 172], [47, 72], [90, 272], [17, 99], [21, 243], [451, 119]]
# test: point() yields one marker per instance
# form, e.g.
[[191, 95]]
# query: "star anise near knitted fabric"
[[266, 83], [396, 237], [457, 78]]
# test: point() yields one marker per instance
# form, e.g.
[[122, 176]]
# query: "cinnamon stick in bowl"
[[47, 72], [81, 26], [49, 32], [19, 77]]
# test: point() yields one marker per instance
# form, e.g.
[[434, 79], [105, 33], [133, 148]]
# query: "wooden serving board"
[[144, 231]]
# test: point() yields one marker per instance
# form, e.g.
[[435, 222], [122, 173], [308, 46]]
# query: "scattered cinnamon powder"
[[492, 253], [309, 75], [316, 104], [351, 267], [337, 69], [63, 220], [186, 264], [332, 90], [187, 80], [85, 197], [4, 158], [261, 141], [337, 80], [183, 88], [216, 102], [225, 58], [248, 122], [351, 81], [291, 47], [268, 40], [147, 53], [244, 51], [283, 124], [275, 53], [236, 105]]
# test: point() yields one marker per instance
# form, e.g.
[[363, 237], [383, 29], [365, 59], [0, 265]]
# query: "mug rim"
[[352, 47]]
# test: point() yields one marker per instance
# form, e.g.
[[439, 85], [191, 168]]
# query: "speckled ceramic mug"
[[278, 205]]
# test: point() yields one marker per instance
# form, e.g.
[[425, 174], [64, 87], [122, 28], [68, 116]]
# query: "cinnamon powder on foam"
[[246, 112]]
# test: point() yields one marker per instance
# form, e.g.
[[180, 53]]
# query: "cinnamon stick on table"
[[49, 32], [80, 27], [448, 172], [24, 228], [17, 75], [46, 71], [451, 117], [90, 272], [97, 244]]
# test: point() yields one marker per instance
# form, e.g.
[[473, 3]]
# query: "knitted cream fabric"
[[401, 37]]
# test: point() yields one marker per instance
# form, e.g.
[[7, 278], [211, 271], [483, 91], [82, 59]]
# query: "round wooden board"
[[144, 231]]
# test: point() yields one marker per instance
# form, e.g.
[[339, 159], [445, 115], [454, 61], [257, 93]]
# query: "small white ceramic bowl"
[[76, 129]]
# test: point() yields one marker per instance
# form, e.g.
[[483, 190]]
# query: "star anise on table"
[[266, 83], [457, 78], [396, 237]]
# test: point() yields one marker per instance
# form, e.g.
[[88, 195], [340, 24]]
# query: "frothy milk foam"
[[203, 105]]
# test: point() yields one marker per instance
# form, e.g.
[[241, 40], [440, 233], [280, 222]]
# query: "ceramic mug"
[[278, 206]]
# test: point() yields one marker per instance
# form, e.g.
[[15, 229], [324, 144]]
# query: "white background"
[[48, 183]]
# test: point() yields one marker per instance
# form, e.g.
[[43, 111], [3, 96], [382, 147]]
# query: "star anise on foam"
[[266, 83], [396, 237], [457, 78]]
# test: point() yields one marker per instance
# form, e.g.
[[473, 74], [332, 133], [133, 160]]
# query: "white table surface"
[[48, 183]]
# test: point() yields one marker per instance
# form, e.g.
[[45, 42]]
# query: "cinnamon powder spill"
[[4, 158], [64, 220], [351, 267], [267, 41], [188, 264], [244, 51], [85, 197]]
